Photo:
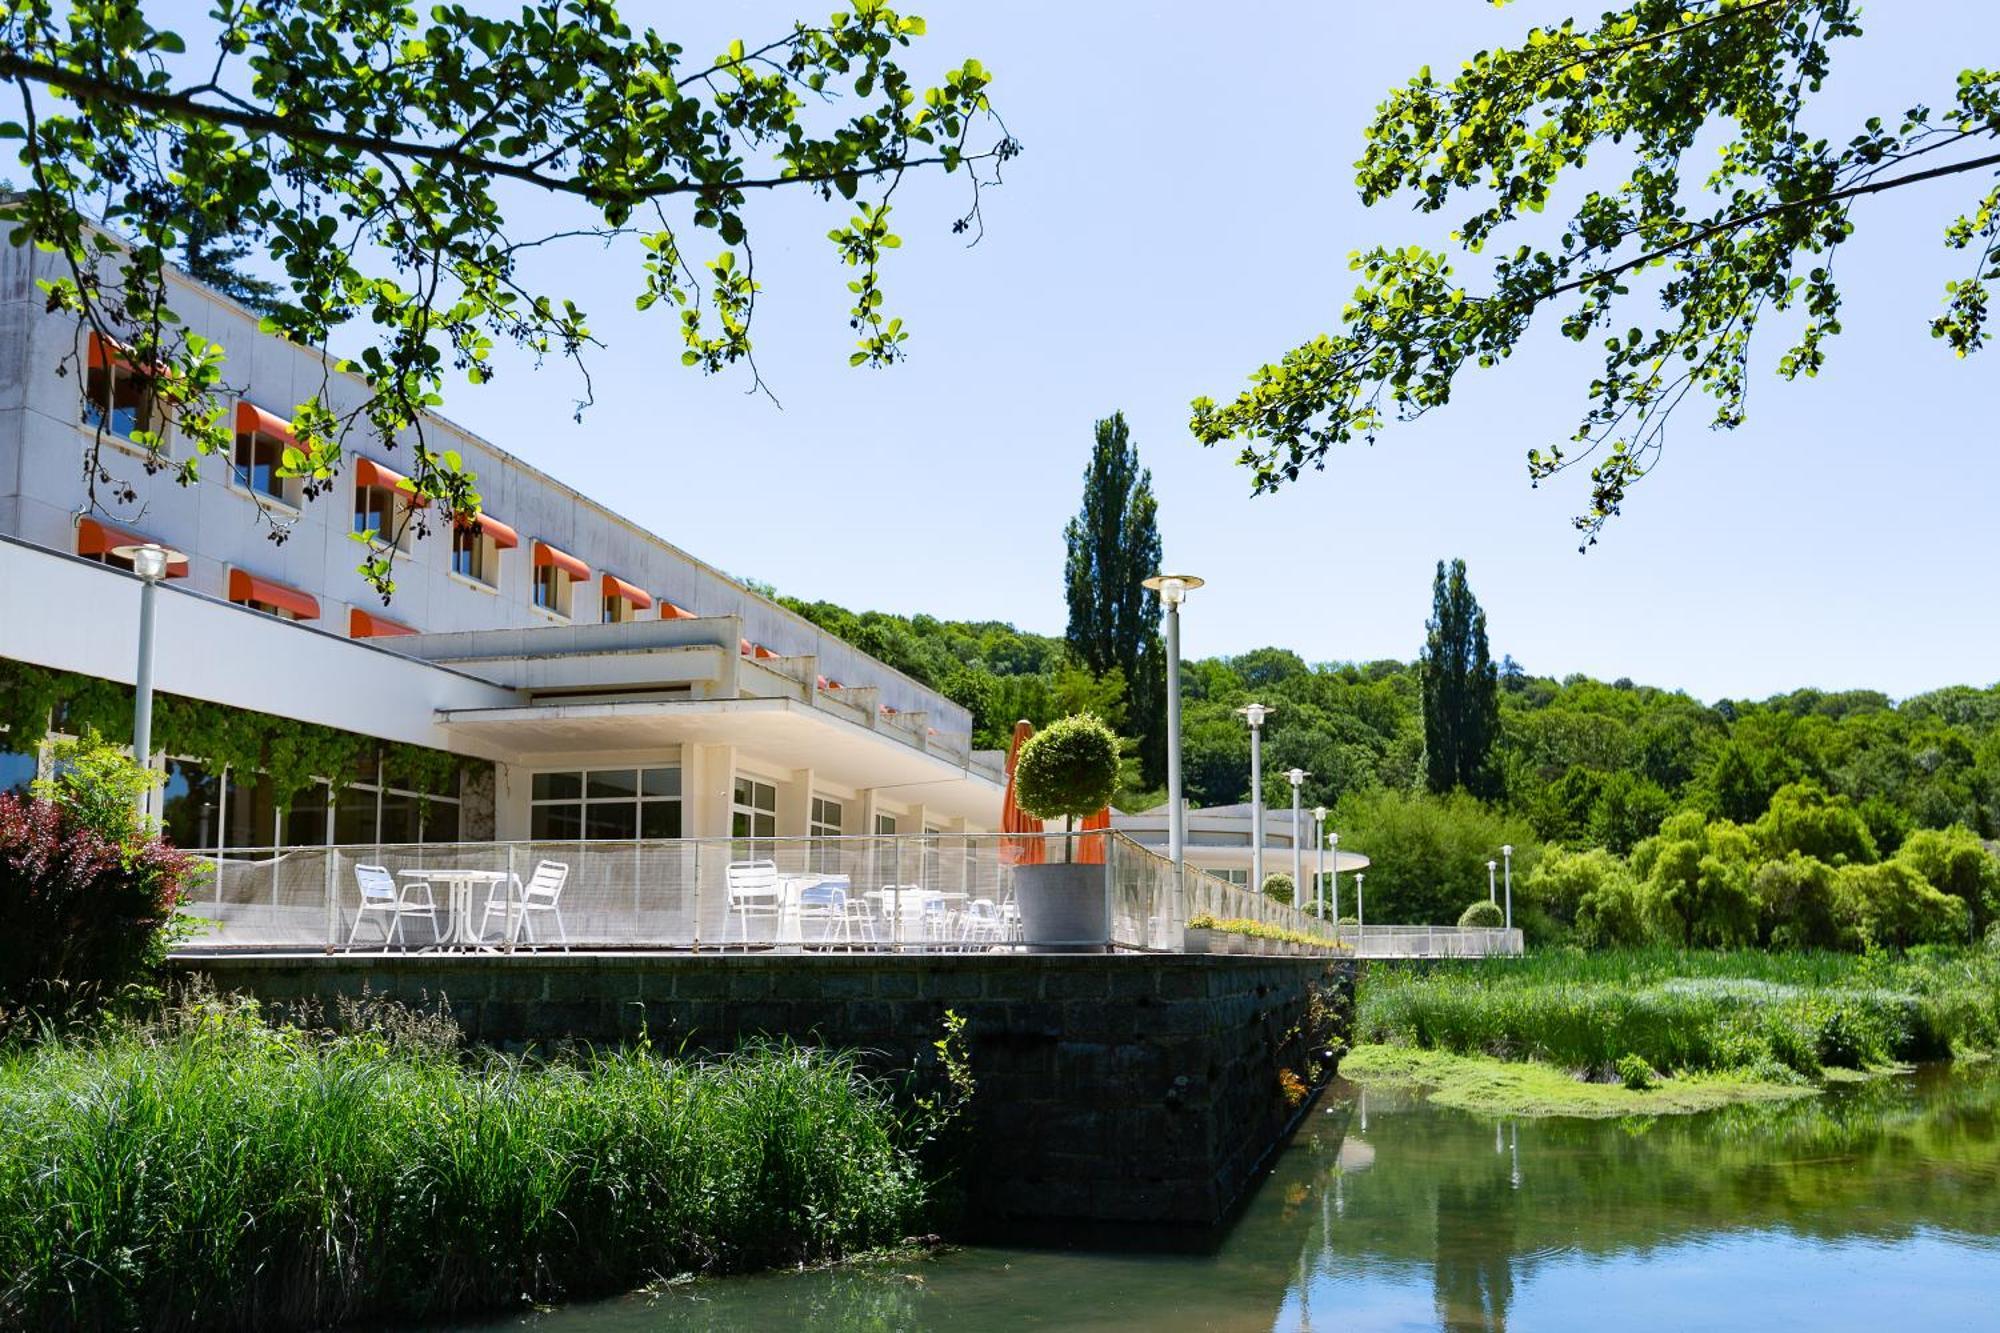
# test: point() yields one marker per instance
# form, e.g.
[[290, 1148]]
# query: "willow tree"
[[387, 155], [1672, 270]]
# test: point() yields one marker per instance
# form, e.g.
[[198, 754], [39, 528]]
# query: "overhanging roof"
[[786, 732]]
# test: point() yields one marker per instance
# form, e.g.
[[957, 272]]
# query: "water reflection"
[[1869, 1208]]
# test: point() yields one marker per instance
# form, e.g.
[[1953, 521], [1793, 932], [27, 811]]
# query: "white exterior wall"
[[42, 489]]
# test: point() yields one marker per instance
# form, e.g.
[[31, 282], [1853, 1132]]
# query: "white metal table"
[[459, 931]]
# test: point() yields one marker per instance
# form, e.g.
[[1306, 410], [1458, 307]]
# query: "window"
[[826, 823], [606, 803], [379, 513], [259, 456], [191, 814], [753, 815], [17, 768], [117, 398], [885, 826], [270, 597], [474, 557], [1240, 878], [552, 590], [618, 611]]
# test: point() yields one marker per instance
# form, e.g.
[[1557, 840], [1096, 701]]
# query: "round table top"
[[455, 874]]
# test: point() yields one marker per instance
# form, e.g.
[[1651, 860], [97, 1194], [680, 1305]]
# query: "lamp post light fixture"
[[1507, 855], [149, 562], [1492, 895], [1319, 870], [1173, 590], [1255, 714], [1297, 777]]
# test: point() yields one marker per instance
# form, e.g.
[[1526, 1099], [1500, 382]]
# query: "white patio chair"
[[860, 924], [825, 903], [754, 893], [517, 903], [981, 922], [381, 896]]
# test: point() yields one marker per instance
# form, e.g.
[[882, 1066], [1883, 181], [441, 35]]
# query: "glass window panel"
[[440, 821], [613, 782], [556, 823], [253, 811], [192, 806], [399, 817], [764, 826], [885, 824], [739, 824], [660, 819], [661, 782], [354, 815], [611, 819], [16, 771], [558, 786], [131, 404], [305, 822]]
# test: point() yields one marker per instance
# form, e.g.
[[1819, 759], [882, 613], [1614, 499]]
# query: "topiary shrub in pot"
[[1483, 915], [1278, 887], [1066, 771]]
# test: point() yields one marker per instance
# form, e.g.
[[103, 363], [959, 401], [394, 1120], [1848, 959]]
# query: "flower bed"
[[1211, 934]]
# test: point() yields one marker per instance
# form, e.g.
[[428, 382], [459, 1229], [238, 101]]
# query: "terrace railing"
[[1432, 941], [943, 892]]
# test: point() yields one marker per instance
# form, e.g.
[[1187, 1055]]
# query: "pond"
[[1875, 1206]]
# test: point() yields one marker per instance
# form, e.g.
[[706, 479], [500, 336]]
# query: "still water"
[[1874, 1208]]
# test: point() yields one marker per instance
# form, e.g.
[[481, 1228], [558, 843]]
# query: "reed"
[[1764, 1013], [209, 1170]]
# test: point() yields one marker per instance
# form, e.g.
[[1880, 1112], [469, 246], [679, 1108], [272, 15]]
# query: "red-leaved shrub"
[[82, 916]]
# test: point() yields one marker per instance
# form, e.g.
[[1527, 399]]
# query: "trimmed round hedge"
[[1068, 769], [1485, 915]]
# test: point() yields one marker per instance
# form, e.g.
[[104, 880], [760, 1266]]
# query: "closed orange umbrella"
[[1094, 851], [1013, 819]]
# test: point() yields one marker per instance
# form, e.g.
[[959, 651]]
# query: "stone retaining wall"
[[1111, 1088]]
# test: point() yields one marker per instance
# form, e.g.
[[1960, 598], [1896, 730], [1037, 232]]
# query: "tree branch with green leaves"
[[380, 151], [1719, 251]]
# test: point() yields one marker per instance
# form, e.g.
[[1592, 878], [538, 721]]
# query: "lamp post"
[[1491, 896], [1319, 870], [1507, 854], [149, 562], [1296, 776], [1173, 590], [1360, 904], [1333, 885], [1255, 714]]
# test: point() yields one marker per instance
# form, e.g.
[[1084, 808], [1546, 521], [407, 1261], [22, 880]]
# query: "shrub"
[[1635, 1073], [1068, 769], [1279, 888], [1954, 861], [1891, 905], [87, 894], [1428, 850], [1484, 915], [1796, 906], [1697, 881]]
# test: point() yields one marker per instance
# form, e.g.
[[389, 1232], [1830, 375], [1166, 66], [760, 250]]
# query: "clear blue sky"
[[1183, 212]]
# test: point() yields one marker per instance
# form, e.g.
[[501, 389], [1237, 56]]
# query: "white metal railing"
[[931, 892], [1432, 941]]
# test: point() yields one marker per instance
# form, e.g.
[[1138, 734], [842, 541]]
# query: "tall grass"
[[211, 1171], [1770, 1014]]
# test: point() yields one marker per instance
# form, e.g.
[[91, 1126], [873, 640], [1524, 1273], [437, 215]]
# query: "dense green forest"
[[1636, 812]]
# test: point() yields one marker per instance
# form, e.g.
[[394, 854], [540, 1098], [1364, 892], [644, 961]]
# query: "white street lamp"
[[1319, 870], [1360, 904], [1333, 884], [149, 562], [1173, 590], [1507, 854], [1491, 895], [1297, 777], [1255, 714]]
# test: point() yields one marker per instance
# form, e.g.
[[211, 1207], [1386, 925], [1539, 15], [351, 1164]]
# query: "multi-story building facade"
[[618, 686]]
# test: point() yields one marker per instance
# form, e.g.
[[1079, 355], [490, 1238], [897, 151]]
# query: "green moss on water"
[[1529, 1088]]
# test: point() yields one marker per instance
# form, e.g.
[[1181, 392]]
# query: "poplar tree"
[[1461, 689], [1114, 622]]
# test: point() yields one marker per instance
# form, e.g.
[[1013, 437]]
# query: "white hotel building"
[[618, 686]]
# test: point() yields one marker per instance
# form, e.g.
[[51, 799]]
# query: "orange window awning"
[[96, 537], [670, 611], [368, 472], [254, 420], [247, 587], [616, 587], [503, 536], [367, 625], [546, 554]]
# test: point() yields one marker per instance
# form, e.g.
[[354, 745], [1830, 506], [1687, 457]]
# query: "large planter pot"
[[1204, 941], [1062, 907]]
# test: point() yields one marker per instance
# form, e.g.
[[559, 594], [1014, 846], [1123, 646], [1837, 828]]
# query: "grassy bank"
[[1530, 1088], [212, 1172], [1770, 1018]]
